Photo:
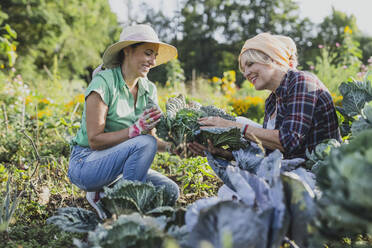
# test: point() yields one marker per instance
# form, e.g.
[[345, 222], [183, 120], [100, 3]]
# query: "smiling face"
[[141, 59], [261, 70], [260, 75]]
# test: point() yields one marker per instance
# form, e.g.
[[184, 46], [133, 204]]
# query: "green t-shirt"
[[122, 113]]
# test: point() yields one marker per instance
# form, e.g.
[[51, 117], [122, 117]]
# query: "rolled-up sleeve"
[[301, 103]]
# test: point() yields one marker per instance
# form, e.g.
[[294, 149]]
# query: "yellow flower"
[[45, 101], [2, 66], [215, 80], [28, 100], [13, 47], [337, 100], [230, 76], [80, 98], [348, 30], [44, 113]]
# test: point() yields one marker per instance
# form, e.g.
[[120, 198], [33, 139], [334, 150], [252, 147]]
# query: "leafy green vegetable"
[[320, 153], [300, 203], [73, 219], [175, 104], [345, 181], [214, 111], [220, 137], [355, 95], [288, 195], [365, 120], [128, 231], [180, 125], [233, 223], [130, 196]]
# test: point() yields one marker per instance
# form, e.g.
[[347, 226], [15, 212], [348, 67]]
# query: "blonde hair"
[[256, 56]]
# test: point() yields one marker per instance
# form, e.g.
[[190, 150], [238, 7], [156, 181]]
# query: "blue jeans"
[[90, 170]]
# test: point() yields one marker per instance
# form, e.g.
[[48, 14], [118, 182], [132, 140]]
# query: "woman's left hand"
[[146, 122], [198, 149], [212, 121]]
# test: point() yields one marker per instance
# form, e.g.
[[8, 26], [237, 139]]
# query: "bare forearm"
[[106, 140], [268, 138]]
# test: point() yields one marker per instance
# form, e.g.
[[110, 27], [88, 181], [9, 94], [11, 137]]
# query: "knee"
[[146, 143]]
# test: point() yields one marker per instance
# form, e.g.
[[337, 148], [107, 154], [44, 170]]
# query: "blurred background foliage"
[[48, 50], [69, 37]]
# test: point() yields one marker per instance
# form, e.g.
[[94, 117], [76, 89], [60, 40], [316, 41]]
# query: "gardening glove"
[[146, 122]]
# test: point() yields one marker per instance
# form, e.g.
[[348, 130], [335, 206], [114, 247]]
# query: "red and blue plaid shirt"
[[305, 114]]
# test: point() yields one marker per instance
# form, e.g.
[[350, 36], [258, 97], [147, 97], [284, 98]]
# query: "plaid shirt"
[[305, 115]]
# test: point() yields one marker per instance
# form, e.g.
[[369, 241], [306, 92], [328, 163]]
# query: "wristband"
[[244, 129]]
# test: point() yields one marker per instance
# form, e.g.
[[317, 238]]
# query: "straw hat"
[[136, 34]]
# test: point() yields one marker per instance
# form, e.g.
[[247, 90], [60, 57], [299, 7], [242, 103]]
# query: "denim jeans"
[[90, 170]]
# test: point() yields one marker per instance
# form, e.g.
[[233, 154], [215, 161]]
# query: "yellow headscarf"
[[291, 46], [271, 45]]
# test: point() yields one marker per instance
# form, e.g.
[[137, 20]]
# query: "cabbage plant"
[[355, 95], [73, 219], [179, 125], [131, 196], [271, 204], [345, 182], [128, 231]]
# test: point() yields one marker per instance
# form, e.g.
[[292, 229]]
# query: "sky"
[[316, 10]]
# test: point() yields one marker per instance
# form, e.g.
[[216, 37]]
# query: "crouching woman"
[[115, 135]]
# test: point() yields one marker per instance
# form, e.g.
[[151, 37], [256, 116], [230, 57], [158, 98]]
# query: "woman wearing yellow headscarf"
[[299, 112]]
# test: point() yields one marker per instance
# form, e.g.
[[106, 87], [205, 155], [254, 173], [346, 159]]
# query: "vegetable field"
[[257, 200]]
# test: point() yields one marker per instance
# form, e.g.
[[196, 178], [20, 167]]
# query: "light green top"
[[122, 113]]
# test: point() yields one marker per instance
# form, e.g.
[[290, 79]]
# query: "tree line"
[[71, 36]]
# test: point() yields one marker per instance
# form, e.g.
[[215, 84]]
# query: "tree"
[[66, 37], [366, 47], [336, 32], [214, 31]]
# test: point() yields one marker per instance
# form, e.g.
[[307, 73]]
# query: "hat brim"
[[110, 58]]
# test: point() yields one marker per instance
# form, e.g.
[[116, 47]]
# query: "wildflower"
[[45, 101], [312, 67], [80, 98], [337, 100], [28, 100], [215, 80], [360, 74], [345, 66], [347, 30], [320, 46], [338, 44], [2, 66]]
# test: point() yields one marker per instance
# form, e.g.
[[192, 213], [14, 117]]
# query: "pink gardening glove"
[[145, 123]]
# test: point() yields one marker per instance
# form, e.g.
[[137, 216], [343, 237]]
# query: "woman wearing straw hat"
[[299, 112], [114, 139]]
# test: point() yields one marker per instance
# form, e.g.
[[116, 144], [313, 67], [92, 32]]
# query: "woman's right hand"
[[146, 122]]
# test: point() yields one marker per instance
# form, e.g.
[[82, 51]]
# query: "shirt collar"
[[143, 85], [282, 89]]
